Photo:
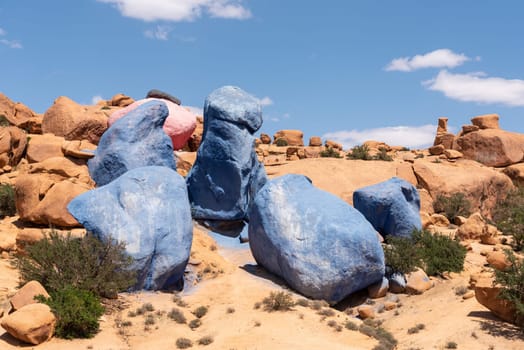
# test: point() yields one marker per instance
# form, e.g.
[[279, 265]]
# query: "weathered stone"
[[488, 295], [74, 122], [265, 138], [33, 323], [120, 100], [163, 95], [227, 173], [417, 282], [13, 142], [436, 150], [487, 121], [469, 128], [453, 154], [41, 147], [333, 144], [148, 208], [80, 149], [315, 141], [321, 246], [498, 260], [293, 137], [26, 295], [379, 289], [366, 311]]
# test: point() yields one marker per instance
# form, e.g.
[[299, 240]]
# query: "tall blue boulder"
[[320, 245], [392, 207], [148, 209], [227, 173], [136, 140]]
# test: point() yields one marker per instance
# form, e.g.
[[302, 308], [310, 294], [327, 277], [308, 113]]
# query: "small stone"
[[26, 295], [389, 305], [378, 290], [34, 323], [470, 294], [366, 311]]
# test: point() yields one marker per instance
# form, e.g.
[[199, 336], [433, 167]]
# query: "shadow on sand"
[[6, 337], [495, 327]]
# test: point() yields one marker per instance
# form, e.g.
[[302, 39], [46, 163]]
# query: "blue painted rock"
[[147, 208], [227, 173], [135, 141], [320, 245], [391, 206]]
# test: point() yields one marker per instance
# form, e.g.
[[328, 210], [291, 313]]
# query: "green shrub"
[[77, 312], [278, 301], [330, 153], [195, 323], [3, 121], [508, 216], [352, 326], [359, 152], [281, 142], [57, 261], [402, 255], [177, 315], [200, 311], [383, 155], [452, 206], [386, 340], [7, 201], [512, 282], [434, 253]]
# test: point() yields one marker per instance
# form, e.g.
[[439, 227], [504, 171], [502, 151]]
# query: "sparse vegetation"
[[193, 324], [434, 253], [177, 315], [451, 345], [183, 343], [359, 152], [278, 301], [508, 216], [303, 302], [512, 282], [150, 320], [452, 206], [57, 261], [281, 142], [77, 312], [416, 329], [326, 312], [200, 311], [352, 326], [461, 290], [330, 152], [205, 340], [7, 201], [230, 310], [383, 155], [386, 340], [3, 121], [318, 304]]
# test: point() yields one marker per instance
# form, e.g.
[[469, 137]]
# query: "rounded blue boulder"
[[320, 245], [135, 140], [392, 207], [148, 209]]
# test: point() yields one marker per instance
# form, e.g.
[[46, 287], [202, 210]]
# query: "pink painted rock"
[[179, 125]]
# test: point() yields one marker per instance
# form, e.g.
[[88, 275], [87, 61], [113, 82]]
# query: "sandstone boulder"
[[135, 141], [482, 186], [41, 147], [492, 147], [41, 200], [315, 141], [417, 282], [333, 144], [498, 260], [227, 173], [469, 128], [321, 246], [148, 209], [265, 139], [487, 121], [120, 100], [488, 295], [74, 122], [392, 207], [379, 289], [293, 137], [516, 173], [16, 114], [26, 295], [476, 227], [13, 142], [436, 150], [33, 323], [81, 149]]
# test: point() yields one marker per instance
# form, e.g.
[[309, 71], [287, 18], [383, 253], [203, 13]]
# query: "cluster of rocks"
[[482, 141]]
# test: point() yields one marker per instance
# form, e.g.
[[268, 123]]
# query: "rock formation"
[[148, 209], [227, 173], [321, 246]]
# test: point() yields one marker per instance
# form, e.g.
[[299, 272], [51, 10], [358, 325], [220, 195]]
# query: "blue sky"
[[350, 70]]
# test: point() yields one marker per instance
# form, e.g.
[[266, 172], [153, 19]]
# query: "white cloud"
[[265, 101], [195, 110], [180, 10], [407, 136], [160, 32], [2, 32], [478, 87], [96, 99], [14, 44], [442, 58]]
